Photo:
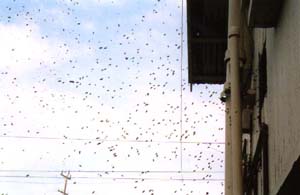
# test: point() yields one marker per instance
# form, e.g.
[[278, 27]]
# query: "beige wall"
[[282, 104]]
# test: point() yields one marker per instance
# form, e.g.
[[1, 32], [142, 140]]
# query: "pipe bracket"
[[234, 31], [227, 56]]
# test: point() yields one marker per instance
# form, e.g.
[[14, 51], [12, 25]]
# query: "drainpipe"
[[228, 148], [234, 16]]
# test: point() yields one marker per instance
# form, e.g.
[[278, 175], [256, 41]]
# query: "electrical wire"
[[30, 182], [115, 178], [105, 171], [90, 183], [110, 140], [181, 83]]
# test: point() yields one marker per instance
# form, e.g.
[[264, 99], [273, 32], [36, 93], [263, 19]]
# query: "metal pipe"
[[228, 149], [234, 16]]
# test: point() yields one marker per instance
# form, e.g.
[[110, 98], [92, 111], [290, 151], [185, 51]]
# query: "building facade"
[[275, 77], [269, 60]]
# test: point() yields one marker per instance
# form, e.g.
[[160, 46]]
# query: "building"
[[262, 108]]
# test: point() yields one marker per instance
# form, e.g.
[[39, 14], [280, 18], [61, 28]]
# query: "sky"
[[99, 88]]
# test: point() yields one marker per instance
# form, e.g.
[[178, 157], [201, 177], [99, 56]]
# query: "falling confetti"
[[99, 88]]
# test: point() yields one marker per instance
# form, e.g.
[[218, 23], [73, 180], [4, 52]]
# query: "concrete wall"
[[282, 104], [259, 39], [259, 36]]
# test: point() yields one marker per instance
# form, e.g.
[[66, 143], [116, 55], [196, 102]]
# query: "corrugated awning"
[[207, 40]]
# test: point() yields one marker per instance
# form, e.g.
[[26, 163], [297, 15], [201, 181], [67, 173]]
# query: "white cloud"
[[24, 49]]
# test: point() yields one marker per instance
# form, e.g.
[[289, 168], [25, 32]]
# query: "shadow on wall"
[[291, 183]]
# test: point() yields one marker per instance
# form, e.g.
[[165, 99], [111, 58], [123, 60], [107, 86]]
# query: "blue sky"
[[94, 87]]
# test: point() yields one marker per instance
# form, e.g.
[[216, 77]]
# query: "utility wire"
[[106, 171], [110, 140], [29, 182], [181, 87], [90, 183], [115, 178]]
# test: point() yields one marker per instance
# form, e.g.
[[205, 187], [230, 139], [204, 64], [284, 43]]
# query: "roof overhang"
[[264, 13], [207, 40]]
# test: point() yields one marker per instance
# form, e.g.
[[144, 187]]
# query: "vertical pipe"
[[235, 105], [228, 147]]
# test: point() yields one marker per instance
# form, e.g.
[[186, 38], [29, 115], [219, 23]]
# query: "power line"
[[30, 177], [183, 175], [29, 182], [90, 177], [160, 179], [116, 178], [110, 140], [181, 83], [108, 171], [130, 179]]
